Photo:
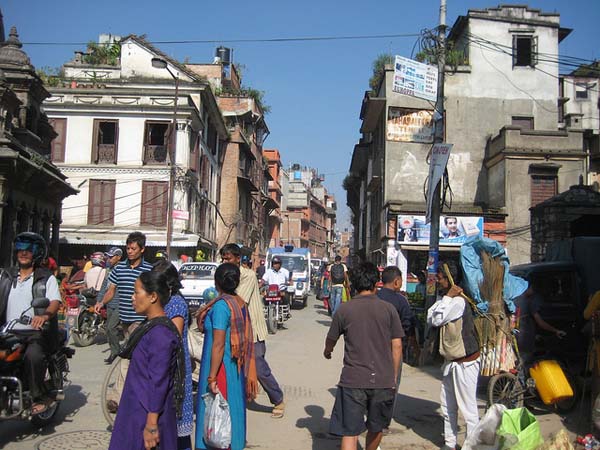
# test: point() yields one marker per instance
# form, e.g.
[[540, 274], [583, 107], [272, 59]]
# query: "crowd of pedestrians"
[[156, 407]]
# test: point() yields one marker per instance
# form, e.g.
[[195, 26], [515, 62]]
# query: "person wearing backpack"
[[339, 280]]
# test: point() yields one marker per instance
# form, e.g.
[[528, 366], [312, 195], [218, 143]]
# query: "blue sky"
[[314, 89]]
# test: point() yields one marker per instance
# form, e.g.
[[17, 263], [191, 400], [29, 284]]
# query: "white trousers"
[[459, 391]]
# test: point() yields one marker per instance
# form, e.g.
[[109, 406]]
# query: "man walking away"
[[391, 277], [372, 353], [339, 280], [460, 348], [248, 290], [113, 256]]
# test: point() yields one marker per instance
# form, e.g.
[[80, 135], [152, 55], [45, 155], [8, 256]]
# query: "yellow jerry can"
[[550, 381]]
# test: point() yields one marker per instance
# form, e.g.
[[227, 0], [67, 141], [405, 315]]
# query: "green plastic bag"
[[519, 430]]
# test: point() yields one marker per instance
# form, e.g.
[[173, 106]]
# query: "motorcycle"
[[15, 400], [82, 321], [276, 308]]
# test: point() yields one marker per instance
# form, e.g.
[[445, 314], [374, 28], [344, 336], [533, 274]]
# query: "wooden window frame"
[[533, 56], [97, 152], [151, 151], [103, 217]]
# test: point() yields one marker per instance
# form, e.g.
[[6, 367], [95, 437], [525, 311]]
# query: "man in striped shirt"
[[122, 278]]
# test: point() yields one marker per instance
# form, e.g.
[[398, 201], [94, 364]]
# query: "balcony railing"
[[155, 154], [107, 153]]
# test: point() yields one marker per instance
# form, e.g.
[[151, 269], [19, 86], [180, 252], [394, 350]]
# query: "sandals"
[[41, 407], [278, 411]]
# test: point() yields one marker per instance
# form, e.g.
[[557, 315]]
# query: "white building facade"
[[115, 130]]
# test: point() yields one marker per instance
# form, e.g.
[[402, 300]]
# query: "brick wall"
[[542, 188], [229, 201]]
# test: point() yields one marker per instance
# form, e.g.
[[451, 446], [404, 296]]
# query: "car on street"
[[196, 277]]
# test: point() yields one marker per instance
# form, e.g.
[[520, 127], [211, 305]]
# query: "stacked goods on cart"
[[493, 290]]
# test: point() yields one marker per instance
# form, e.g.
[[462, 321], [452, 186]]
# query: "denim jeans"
[[265, 376], [336, 298]]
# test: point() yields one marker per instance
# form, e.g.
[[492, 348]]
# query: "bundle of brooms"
[[494, 328]]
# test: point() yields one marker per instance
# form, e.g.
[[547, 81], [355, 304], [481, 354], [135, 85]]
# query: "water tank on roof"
[[224, 54]]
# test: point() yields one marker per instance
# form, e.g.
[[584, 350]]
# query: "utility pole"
[[434, 236], [172, 170]]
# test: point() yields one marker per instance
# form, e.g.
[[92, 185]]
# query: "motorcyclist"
[[95, 276], [18, 287], [276, 275]]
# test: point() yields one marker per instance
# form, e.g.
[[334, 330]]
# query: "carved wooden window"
[[156, 142], [155, 196], [57, 147], [105, 142], [101, 205]]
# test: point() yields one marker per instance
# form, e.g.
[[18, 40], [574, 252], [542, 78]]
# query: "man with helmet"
[[276, 274], [18, 287]]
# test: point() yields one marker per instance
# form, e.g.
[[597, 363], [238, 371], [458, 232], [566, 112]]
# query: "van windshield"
[[293, 263]]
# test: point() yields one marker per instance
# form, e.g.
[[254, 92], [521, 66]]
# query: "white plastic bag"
[[217, 421], [483, 436]]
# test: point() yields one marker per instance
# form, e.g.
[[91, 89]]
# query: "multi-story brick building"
[[244, 202], [273, 224]]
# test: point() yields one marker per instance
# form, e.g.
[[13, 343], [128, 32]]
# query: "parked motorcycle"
[[15, 400], [276, 306], [83, 322]]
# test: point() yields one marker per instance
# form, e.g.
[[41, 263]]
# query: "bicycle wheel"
[[110, 395], [504, 388]]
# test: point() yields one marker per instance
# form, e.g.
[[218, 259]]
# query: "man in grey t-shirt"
[[372, 353]]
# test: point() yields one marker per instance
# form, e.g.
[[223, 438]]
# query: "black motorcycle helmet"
[[34, 243]]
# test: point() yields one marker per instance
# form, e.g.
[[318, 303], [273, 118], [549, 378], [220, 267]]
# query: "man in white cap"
[[113, 256]]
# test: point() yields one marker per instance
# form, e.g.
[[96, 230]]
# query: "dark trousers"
[[265, 376], [112, 330], [38, 346]]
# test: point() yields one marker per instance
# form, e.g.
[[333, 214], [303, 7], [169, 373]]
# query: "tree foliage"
[[379, 70], [102, 54]]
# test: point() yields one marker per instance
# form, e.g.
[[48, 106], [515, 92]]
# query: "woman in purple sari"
[[152, 396]]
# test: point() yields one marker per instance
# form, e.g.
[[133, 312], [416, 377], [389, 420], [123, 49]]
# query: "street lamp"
[[159, 63]]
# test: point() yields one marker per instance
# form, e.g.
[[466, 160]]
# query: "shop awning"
[[118, 239]]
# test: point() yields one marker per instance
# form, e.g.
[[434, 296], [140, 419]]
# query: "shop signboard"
[[415, 79], [409, 125], [412, 230]]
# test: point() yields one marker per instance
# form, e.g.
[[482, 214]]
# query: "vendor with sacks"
[[459, 346]]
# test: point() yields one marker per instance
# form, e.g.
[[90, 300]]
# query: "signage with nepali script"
[[409, 125]]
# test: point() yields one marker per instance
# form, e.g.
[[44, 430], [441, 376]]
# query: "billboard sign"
[[415, 79], [409, 125], [413, 230]]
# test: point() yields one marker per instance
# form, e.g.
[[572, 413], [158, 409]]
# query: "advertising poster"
[[415, 79], [453, 230], [410, 125]]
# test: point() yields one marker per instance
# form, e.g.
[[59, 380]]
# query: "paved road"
[[308, 380]]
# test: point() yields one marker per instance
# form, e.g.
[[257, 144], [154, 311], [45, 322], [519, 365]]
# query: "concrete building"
[[509, 154], [114, 122], [32, 189], [580, 107], [245, 203], [331, 246]]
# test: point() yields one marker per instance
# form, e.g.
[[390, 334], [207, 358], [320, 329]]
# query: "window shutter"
[[57, 147], [154, 203], [101, 205], [195, 155], [95, 140], [534, 51]]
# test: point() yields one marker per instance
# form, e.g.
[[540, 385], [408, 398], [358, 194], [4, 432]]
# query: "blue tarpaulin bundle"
[[470, 258]]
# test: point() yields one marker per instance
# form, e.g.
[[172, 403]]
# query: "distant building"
[[32, 189], [273, 224], [114, 120], [306, 213]]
